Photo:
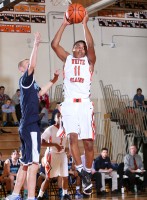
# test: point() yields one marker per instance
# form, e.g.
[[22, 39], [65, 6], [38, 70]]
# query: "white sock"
[[31, 198], [77, 187], [64, 192], [88, 170], [41, 193], [15, 194], [79, 168]]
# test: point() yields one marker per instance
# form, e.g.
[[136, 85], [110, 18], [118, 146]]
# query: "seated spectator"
[[16, 103], [45, 98], [3, 175], [1, 165], [8, 112], [133, 165], [43, 116], [3, 97], [96, 176], [104, 166], [139, 98], [11, 167]]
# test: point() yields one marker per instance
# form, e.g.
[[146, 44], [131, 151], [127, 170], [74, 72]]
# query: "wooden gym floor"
[[126, 196]]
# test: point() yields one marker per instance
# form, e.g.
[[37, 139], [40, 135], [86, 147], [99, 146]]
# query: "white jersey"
[[77, 77], [50, 135]]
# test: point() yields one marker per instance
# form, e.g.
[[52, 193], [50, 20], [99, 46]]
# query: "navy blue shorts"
[[30, 144]]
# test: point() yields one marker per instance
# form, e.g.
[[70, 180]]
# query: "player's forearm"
[[45, 88], [88, 36], [33, 58]]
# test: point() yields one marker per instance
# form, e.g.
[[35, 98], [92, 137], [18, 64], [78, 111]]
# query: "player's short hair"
[[21, 62], [84, 43]]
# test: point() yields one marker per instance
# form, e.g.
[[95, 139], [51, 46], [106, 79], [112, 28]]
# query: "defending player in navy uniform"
[[29, 130], [77, 109]]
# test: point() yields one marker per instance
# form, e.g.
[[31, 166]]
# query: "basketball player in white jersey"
[[77, 109], [56, 163]]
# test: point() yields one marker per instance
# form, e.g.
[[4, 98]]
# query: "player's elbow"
[[54, 45]]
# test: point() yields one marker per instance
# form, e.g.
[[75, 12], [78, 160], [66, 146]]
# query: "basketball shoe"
[[13, 197], [86, 182]]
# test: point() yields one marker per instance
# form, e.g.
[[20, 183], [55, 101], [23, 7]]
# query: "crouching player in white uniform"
[[56, 163]]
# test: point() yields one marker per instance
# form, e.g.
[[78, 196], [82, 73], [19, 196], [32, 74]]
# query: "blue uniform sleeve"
[[27, 79]]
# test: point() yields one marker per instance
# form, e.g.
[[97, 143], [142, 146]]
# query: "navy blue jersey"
[[29, 101], [14, 168]]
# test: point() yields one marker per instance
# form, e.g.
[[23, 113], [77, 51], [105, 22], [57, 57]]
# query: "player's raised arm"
[[89, 41], [59, 50], [33, 57]]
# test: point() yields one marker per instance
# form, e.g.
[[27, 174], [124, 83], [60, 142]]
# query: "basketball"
[[75, 13]]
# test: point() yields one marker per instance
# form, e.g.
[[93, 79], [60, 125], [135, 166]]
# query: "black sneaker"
[[66, 197], [86, 182]]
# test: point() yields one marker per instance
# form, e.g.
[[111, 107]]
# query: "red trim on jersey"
[[48, 166], [93, 126]]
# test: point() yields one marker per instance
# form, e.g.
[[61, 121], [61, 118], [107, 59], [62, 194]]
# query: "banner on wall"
[[118, 14], [38, 18], [143, 15], [7, 28], [119, 23], [106, 13], [7, 17], [22, 18], [105, 22], [21, 8], [22, 28], [35, 1], [37, 8], [143, 24]]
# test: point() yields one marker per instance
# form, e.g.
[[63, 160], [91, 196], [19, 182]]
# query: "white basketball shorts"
[[56, 164], [78, 117]]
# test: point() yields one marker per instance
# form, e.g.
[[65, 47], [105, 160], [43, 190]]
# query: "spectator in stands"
[[16, 102], [139, 98], [45, 98], [12, 166], [3, 97], [133, 165], [16, 97], [96, 176], [55, 158], [43, 116], [8, 112], [4, 175], [104, 166], [1, 165]]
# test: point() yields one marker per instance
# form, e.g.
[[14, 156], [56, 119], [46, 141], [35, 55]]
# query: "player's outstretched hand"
[[37, 38], [86, 18], [65, 20]]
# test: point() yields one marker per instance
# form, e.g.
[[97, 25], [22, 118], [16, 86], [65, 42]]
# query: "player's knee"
[[88, 145], [24, 168], [73, 139]]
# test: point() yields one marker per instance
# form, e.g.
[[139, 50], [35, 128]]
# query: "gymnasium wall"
[[125, 66]]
